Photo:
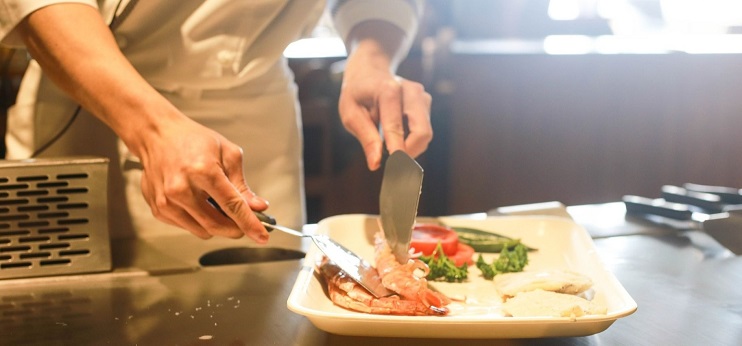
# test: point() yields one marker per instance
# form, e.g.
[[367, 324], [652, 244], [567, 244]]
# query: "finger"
[[235, 207], [180, 218], [182, 200], [416, 106], [390, 113], [195, 214], [358, 120], [150, 196], [175, 216], [238, 211], [232, 160], [211, 218]]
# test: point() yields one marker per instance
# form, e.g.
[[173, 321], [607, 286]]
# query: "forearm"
[[377, 26], [77, 51]]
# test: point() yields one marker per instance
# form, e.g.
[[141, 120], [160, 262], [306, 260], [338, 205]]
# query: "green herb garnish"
[[443, 268], [509, 261]]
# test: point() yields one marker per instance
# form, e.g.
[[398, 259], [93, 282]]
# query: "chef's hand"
[[184, 165], [371, 95]]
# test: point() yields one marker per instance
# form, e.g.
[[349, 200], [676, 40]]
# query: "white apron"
[[218, 61]]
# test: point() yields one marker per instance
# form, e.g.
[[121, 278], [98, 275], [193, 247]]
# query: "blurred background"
[[577, 101]]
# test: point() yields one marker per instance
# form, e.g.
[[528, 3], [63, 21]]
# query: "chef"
[[194, 102]]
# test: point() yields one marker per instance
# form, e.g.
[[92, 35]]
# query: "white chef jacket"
[[220, 62]]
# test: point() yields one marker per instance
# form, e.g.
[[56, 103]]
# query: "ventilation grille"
[[53, 217]]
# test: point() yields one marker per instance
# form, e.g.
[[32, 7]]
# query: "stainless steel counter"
[[687, 288]]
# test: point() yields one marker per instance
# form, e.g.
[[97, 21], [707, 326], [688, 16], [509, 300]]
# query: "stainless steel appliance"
[[53, 217]]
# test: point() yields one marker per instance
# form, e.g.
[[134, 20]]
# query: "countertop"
[[686, 286]]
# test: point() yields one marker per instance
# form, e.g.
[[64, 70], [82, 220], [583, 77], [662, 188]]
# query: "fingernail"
[[373, 161], [263, 238], [259, 198]]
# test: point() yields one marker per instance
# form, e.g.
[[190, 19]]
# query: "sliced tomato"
[[426, 236], [465, 254]]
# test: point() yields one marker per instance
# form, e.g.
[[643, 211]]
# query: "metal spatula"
[[400, 193], [356, 267]]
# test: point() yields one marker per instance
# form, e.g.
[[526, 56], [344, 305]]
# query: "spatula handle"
[[283, 229], [265, 218]]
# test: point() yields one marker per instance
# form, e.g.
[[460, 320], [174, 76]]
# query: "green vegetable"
[[483, 241], [443, 268], [509, 261]]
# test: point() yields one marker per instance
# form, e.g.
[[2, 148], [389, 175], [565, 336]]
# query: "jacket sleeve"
[[404, 14], [13, 11]]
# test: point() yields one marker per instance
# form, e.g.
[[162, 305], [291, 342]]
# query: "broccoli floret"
[[509, 261], [443, 268]]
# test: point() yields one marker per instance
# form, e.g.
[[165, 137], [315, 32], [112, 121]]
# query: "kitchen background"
[[579, 101]]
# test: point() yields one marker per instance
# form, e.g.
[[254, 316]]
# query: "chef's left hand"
[[371, 95]]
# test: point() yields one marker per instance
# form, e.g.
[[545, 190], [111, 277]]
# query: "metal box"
[[54, 217]]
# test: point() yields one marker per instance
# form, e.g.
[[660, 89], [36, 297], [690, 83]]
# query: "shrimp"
[[413, 296], [348, 294], [407, 280]]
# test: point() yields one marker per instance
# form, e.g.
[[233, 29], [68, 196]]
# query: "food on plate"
[[531, 293], [509, 261], [560, 281], [484, 241], [550, 304], [546, 293], [413, 296], [438, 247], [348, 294], [426, 237], [448, 258], [407, 280], [446, 269]]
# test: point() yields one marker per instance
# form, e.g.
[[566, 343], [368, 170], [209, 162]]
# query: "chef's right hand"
[[185, 164]]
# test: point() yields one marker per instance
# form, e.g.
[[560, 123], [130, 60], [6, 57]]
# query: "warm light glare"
[[686, 26], [568, 44], [320, 47], [643, 44], [718, 12], [564, 9], [630, 45]]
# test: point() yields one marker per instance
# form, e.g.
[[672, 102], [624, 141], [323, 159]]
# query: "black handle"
[[709, 203], [265, 218], [261, 216], [728, 195], [643, 205]]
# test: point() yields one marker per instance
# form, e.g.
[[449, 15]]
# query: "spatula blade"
[[357, 268], [400, 193]]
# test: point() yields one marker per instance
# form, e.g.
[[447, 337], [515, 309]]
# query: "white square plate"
[[561, 244]]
